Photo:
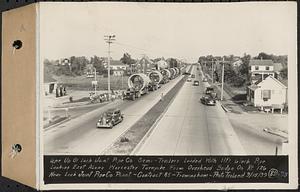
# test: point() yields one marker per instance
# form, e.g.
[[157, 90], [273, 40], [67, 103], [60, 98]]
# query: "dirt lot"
[[260, 121]]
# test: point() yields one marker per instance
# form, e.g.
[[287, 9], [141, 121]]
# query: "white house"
[[260, 69], [118, 72], [117, 65], [269, 92], [237, 63]]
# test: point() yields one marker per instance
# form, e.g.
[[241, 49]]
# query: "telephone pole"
[[109, 39], [222, 79], [212, 71], [223, 66]]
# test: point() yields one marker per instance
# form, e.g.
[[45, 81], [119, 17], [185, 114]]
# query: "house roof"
[[255, 85], [273, 78], [145, 60], [278, 67], [48, 78], [261, 62], [284, 81], [116, 62]]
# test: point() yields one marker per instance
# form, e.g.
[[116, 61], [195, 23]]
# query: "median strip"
[[128, 141]]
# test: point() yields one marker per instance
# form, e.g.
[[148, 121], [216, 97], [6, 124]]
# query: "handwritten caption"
[[157, 169]]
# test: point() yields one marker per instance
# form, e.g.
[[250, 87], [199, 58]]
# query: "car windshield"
[[108, 114]]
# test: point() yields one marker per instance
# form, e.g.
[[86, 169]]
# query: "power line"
[[142, 49]]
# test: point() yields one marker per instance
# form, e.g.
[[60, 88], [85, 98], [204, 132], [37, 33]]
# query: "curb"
[[224, 108], [56, 124], [274, 133]]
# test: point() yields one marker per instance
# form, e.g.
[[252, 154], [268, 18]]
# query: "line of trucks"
[[140, 83]]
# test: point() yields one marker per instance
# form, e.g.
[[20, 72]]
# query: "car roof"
[[113, 110]]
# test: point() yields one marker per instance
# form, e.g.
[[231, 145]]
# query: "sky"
[[180, 30]]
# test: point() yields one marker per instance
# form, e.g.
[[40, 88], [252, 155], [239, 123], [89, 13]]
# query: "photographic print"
[[168, 79]]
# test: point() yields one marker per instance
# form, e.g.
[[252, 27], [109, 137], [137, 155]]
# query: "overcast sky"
[[184, 31]]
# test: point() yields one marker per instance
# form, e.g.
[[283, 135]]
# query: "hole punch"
[[15, 149], [17, 44]]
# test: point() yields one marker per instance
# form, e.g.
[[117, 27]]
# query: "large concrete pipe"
[[155, 76], [138, 81]]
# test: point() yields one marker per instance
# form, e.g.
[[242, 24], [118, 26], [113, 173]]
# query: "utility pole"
[[109, 39], [223, 64], [95, 75], [212, 71]]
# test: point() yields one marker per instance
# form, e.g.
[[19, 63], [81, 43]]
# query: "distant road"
[[191, 128]]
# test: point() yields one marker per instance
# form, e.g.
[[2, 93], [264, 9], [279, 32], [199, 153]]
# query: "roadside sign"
[[94, 82]]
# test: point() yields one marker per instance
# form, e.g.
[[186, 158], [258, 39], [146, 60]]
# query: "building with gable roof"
[[268, 92], [260, 69]]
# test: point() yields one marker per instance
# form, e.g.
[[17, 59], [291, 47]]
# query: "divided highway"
[[191, 128]]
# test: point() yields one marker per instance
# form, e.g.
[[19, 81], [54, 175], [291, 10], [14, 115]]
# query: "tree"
[[173, 62], [244, 67], [263, 55], [284, 73], [127, 60], [98, 63], [78, 64]]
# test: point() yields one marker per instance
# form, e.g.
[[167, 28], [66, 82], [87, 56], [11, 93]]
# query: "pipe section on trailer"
[[138, 81]]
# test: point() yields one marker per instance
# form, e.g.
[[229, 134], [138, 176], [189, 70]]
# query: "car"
[[207, 100], [209, 90], [196, 83], [189, 80], [110, 118], [204, 80]]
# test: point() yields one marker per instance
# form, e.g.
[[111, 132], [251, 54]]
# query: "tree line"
[[76, 66], [238, 75]]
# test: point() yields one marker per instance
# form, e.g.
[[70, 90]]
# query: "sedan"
[[206, 100], [196, 83], [110, 118]]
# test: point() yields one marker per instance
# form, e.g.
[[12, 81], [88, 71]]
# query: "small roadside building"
[[269, 92], [50, 84]]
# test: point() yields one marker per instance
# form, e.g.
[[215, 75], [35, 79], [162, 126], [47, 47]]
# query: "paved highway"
[[80, 135], [191, 128]]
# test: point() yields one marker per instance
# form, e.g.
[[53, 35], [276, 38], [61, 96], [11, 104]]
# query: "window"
[[256, 67], [266, 95], [267, 68], [251, 94]]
